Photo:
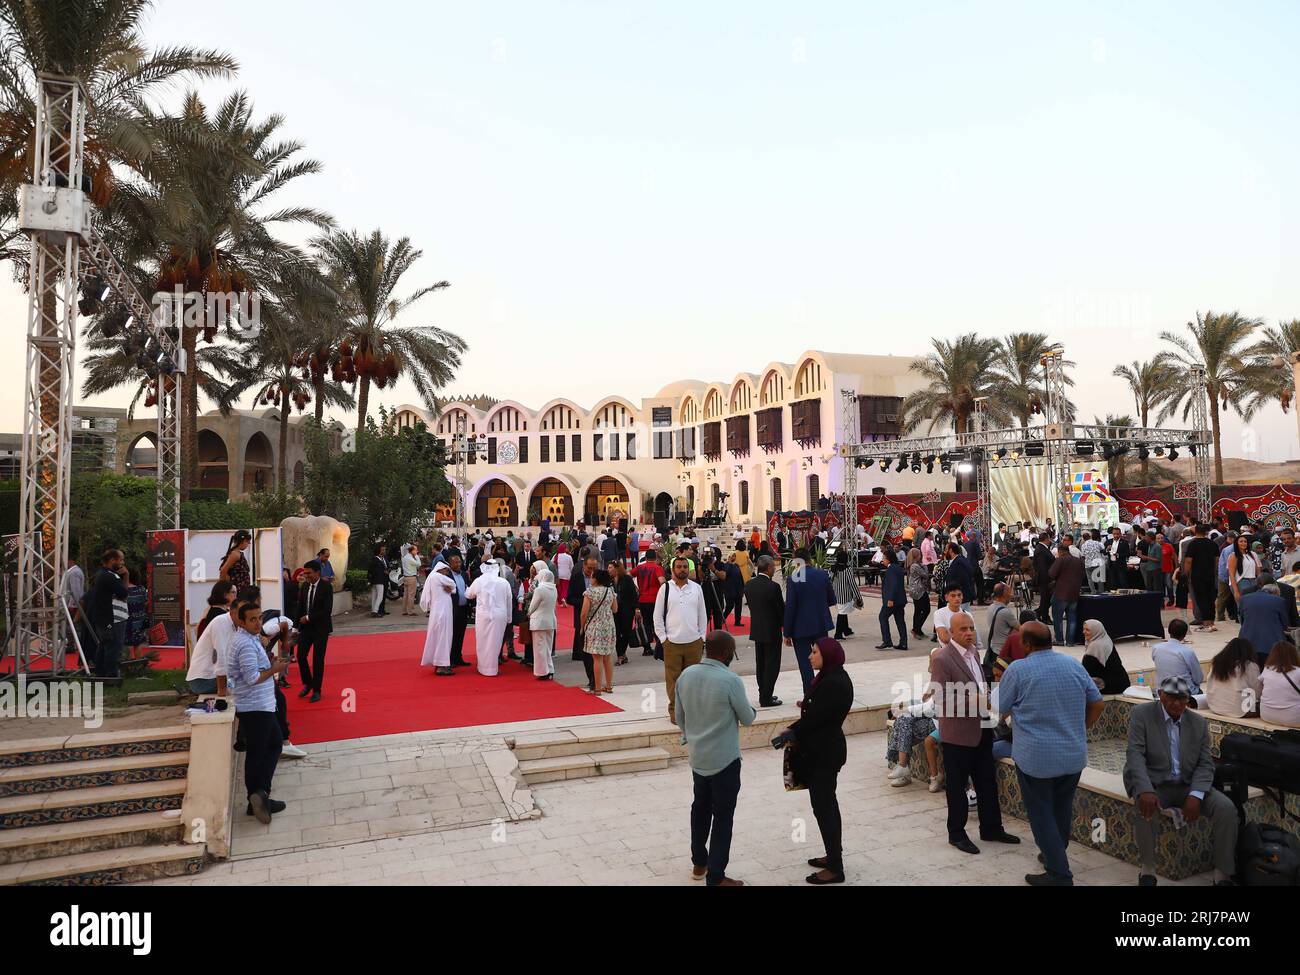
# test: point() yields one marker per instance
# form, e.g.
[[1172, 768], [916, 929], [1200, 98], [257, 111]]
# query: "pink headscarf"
[[832, 659]]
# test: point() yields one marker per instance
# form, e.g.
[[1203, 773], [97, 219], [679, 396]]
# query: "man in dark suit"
[[316, 597], [1158, 779], [459, 610], [1117, 553], [961, 696], [766, 614], [1043, 559], [809, 597], [960, 573], [893, 602], [1263, 619]]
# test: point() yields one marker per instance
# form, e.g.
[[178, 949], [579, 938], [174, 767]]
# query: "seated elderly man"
[[1169, 771]]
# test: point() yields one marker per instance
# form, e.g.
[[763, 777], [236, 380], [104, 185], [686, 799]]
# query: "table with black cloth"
[[1123, 614]]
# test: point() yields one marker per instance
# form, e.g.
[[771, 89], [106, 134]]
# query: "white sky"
[[626, 194]]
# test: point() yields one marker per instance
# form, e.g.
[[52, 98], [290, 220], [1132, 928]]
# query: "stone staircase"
[[102, 808], [640, 745]]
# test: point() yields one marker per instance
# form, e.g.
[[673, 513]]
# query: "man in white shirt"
[[943, 619], [410, 570], [681, 620], [1290, 552]]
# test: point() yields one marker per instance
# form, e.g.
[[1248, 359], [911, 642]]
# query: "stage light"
[[945, 466], [902, 462], [1159, 451], [113, 322], [929, 464], [884, 463], [1193, 449], [1107, 451], [1143, 453], [1173, 453], [133, 344], [1015, 453], [1084, 448], [1000, 453], [1035, 448], [965, 468]]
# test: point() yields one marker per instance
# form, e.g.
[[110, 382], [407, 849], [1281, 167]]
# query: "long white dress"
[[491, 617], [436, 600]]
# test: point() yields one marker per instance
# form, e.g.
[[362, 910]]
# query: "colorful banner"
[[165, 579]]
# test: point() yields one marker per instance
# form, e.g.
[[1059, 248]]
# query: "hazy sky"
[[626, 194]]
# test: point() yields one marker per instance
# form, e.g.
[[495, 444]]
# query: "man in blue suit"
[[893, 602], [1263, 619], [809, 597]]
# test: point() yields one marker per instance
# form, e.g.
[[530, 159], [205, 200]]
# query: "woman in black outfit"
[[219, 600], [625, 593], [821, 752]]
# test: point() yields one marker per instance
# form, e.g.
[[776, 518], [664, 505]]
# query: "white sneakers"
[[972, 799], [290, 750], [936, 784], [900, 776]]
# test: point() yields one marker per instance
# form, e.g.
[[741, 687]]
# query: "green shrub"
[[218, 515], [358, 582], [209, 494]]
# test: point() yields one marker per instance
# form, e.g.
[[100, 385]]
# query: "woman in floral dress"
[[598, 607]]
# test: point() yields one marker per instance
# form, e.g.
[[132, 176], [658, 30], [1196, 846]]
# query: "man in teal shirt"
[[711, 704]]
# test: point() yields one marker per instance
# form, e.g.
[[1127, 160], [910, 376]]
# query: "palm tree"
[[958, 373], [99, 43], [1150, 383], [1217, 346], [1018, 371], [274, 361], [1117, 466], [369, 270], [199, 219], [1276, 379]]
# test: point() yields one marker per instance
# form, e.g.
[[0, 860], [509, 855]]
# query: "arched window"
[[776, 494], [741, 397], [712, 404], [809, 379], [744, 497], [773, 388], [689, 411]]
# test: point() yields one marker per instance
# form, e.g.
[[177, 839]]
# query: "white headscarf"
[[492, 568], [544, 576], [1101, 646]]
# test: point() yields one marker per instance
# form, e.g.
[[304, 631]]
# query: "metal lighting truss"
[[850, 438], [58, 218], [979, 447], [460, 449]]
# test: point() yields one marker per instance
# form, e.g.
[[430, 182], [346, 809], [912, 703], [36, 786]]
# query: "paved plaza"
[[449, 807]]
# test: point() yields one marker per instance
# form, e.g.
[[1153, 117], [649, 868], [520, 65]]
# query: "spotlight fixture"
[[902, 462], [133, 344], [1173, 453], [114, 321], [1035, 448], [945, 465], [1015, 453], [1107, 451], [1143, 453], [1000, 453], [1192, 447], [929, 464], [884, 463], [1159, 451]]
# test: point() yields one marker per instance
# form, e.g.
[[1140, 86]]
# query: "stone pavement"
[[634, 829], [448, 806]]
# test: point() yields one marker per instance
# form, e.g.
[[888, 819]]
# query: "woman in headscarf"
[[542, 598], [819, 741], [1101, 660], [437, 600], [563, 570]]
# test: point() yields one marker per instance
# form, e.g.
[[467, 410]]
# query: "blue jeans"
[[712, 813], [802, 651], [1049, 804], [203, 685], [1071, 613]]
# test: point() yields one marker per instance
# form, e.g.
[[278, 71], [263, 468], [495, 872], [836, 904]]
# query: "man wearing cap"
[[1169, 771]]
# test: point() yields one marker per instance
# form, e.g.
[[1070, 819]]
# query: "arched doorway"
[[142, 457], [606, 498], [214, 461], [663, 501], [551, 499], [496, 505], [776, 494], [258, 461]]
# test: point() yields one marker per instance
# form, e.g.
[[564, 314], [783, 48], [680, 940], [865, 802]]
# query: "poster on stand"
[[165, 580]]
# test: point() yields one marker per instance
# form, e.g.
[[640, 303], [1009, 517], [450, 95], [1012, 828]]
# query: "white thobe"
[[491, 617], [436, 600]]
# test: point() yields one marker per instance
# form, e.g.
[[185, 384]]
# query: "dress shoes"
[[315, 696], [965, 845], [816, 879], [1003, 837], [304, 692], [1047, 880], [884, 646]]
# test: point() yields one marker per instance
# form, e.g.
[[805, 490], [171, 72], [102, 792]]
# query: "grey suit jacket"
[[1149, 764], [948, 669]]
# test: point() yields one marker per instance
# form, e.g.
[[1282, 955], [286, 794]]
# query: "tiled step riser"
[[93, 780], [88, 844], [126, 875], [526, 753], [53, 756], [98, 810]]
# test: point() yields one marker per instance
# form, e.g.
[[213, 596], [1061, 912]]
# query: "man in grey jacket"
[[1169, 772]]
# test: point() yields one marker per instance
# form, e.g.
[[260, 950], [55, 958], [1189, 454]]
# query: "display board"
[[204, 551], [1020, 493], [164, 578], [267, 567]]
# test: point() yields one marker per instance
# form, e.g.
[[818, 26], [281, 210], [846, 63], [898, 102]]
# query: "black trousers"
[[767, 666], [1203, 593], [262, 740], [826, 809], [897, 615], [459, 620], [962, 762], [622, 634], [920, 613], [312, 644], [1045, 603], [735, 600], [648, 621]]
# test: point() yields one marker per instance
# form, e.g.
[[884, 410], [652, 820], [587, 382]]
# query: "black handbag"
[[791, 773]]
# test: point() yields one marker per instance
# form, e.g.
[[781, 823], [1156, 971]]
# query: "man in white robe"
[[491, 617], [436, 600]]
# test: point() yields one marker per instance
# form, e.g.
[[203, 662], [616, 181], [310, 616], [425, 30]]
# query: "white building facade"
[[765, 441]]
